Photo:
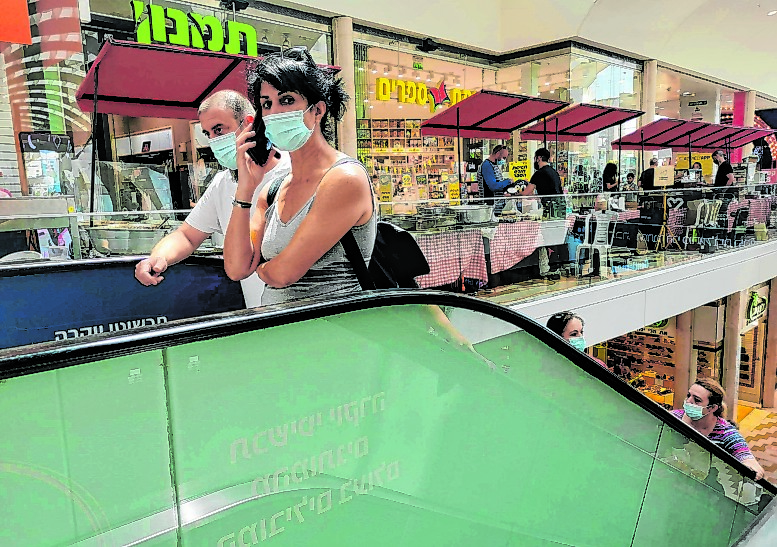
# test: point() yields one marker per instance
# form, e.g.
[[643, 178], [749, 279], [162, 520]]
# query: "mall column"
[[770, 363], [685, 369], [342, 29], [649, 82], [732, 342]]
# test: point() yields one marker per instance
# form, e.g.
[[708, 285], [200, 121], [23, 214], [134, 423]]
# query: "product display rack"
[[396, 146], [651, 360]]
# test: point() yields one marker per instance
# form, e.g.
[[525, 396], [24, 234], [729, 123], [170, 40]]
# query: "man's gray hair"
[[719, 153], [229, 100], [653, 161]]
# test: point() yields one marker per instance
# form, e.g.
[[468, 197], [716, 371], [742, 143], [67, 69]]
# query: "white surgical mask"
[[287, 130]]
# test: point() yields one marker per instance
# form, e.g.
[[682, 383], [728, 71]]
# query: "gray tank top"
[[332, 274]]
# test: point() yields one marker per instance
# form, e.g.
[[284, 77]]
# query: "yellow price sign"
[[454, 193], [519, 170], [407, 180]]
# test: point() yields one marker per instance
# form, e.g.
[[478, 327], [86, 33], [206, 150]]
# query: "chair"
[[703, 208], [602, 240]]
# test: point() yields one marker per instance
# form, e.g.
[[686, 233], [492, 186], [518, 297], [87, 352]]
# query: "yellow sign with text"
[[454, 193], [418, 93], [519, 170], [705, 160]]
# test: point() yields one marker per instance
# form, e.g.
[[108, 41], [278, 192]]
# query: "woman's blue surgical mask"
[[578, 343], [287, 130], [225, 150], [694, 412]]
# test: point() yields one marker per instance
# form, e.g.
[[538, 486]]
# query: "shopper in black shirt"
[[647, 178], [725, 175], [546, 182]]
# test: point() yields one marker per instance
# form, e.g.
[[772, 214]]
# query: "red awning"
[[578, 122], [160, 81], [699, 136], [489, 115]]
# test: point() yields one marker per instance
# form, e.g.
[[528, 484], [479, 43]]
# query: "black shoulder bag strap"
[[273, 191], [348, 241]]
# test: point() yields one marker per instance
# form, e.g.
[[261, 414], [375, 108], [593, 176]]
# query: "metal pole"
[[557, 154], [620, 148], [545, 133], [461, 153], [690, 154], [94, 145], [642, 145]]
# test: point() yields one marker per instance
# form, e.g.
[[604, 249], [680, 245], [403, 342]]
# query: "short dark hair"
[[653, 161], [558, 321], [295, 70], [719, 153], [543, 154], [630, 175], [498, 148]]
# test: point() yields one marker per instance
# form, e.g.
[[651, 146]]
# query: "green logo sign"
[[756, 308], [659, 324], [417, 65], [157, 24]]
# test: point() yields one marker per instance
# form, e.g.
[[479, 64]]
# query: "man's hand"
[[148, 271]]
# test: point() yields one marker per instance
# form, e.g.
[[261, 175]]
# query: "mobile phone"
[[261, 152]]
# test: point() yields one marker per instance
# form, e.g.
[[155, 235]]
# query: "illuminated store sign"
[[756, 308], [173, 26], [419, 93]]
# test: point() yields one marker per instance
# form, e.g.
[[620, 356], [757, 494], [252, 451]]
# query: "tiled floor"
[[759, 428]]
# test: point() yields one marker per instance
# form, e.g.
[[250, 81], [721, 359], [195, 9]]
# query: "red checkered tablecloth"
[[759, 210], [628, 215], [453, 255], [513, 242]]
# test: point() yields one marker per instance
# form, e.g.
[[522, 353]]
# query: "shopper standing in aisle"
[[610, 178], [546, 182], [646, 180], [221, 115], [293, 239], [491, 181], [725, 174], [703, 410]]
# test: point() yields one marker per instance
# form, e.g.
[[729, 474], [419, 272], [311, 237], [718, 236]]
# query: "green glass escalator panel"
[[397, 425], [84, 451]]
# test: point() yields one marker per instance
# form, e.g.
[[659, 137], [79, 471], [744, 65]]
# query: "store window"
[[395, 92]]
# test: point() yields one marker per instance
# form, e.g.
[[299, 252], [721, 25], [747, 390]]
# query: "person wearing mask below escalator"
[[703, 409], [491, 181], [570, 326], [220, 115]]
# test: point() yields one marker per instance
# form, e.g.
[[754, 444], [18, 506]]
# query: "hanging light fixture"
[[429, 77], [386, 70], [264, 36], [417, 75], [286, 42], [373, 67], [400, 72]]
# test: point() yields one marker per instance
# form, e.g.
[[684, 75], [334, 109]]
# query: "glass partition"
[[517, 247], [398, 425]]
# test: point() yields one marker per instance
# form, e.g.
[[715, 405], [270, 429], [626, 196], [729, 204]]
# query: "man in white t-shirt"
[[221, 115]]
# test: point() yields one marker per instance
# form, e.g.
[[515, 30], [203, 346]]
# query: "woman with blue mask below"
[[570, 326], [702, 410], [292, 243]]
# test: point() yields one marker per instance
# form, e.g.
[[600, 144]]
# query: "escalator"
[[394, 418]]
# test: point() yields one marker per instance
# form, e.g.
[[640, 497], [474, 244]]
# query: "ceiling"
[[727, 40]]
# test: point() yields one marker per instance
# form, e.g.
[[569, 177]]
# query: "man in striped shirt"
[[491, 181]]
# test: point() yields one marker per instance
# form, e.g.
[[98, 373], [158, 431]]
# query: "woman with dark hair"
[[293, 241], [569, 326], [610, 178], [703, 410]]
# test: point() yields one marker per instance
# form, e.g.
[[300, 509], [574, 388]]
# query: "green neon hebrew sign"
[[157, 24]]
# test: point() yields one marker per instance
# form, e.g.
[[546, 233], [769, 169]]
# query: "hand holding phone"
[[261, 152]]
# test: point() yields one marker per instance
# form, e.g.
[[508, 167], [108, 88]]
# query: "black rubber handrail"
[[24, 360]]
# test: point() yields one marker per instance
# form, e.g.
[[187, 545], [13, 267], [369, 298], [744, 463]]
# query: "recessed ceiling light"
[[773, 12]]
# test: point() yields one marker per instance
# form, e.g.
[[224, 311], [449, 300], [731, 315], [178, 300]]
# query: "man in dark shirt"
[[647, 178], [725, 175], [546, 182]]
